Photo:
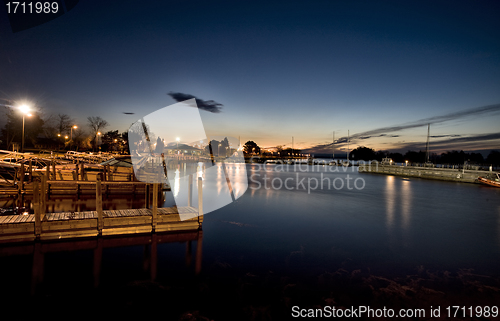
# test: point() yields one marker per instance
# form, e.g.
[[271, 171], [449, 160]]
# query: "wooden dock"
[[50, 226], [74, 178]]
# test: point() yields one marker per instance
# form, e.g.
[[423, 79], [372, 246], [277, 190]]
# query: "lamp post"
[[96, 139], [71, 137], [26, 112]]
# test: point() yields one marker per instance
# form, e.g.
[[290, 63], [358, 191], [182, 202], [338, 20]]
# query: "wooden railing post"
[[43, 196], [36, 207], [48, 171], [82, 171], [21, 176], [155, 205], [200, 196], [147, 192], [30, 170], [54, 170], [98, 201]]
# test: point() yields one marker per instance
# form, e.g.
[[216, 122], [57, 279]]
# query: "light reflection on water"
[[390, 227], [392, 222]]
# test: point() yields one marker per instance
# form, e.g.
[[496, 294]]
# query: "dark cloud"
[[431, 120], [442, 136], [380, 132], [207, 105], [471, 142]]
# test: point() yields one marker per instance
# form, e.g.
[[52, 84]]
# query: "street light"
[[96, 136], [71, 138], [26, 112], [74, 127]]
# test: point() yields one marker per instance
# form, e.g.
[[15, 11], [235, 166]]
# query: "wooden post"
[[43, 197], [48, 171], [36, 207], [98, 201], [77, 167], [21, 177], [110, 175], [30, 170], [155, 205], [54, 170], [82, 171], [200, 196], [190, 190], [147, 195]]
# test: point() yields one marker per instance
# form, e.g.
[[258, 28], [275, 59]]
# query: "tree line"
[[60, 132], [449, 157]]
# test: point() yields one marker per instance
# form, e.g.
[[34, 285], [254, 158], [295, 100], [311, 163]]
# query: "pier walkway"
[[49, 226]]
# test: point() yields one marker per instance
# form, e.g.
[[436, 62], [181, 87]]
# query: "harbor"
[[250, 161], [444, 174]]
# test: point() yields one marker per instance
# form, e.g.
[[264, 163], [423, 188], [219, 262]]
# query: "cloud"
[[431, 120], [207, 105], [383, 131], [470, 142]]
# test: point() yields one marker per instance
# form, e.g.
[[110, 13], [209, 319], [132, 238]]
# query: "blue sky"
[[280, 69]]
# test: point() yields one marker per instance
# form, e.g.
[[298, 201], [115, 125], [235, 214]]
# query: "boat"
[[492, 182]]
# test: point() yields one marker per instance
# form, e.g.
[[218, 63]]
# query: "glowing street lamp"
[[71, 137], [73, 127], [26, 112], [96, 137]]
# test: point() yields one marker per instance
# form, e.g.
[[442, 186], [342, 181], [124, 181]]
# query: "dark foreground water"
[[358, 239]]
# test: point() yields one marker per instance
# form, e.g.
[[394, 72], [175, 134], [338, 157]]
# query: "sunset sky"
[[382, 70]]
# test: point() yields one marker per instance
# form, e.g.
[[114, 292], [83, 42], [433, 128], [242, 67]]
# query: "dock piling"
[[36, 208], [155, 206], [200, 197], [98, 195]]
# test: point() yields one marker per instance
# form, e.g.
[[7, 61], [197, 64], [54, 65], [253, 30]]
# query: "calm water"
[[297, 242]]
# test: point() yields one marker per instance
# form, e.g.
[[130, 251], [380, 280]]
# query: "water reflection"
[[398, 191], [176, 187], [390, 201], [40, 267], [406, 198], [222, 183]]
